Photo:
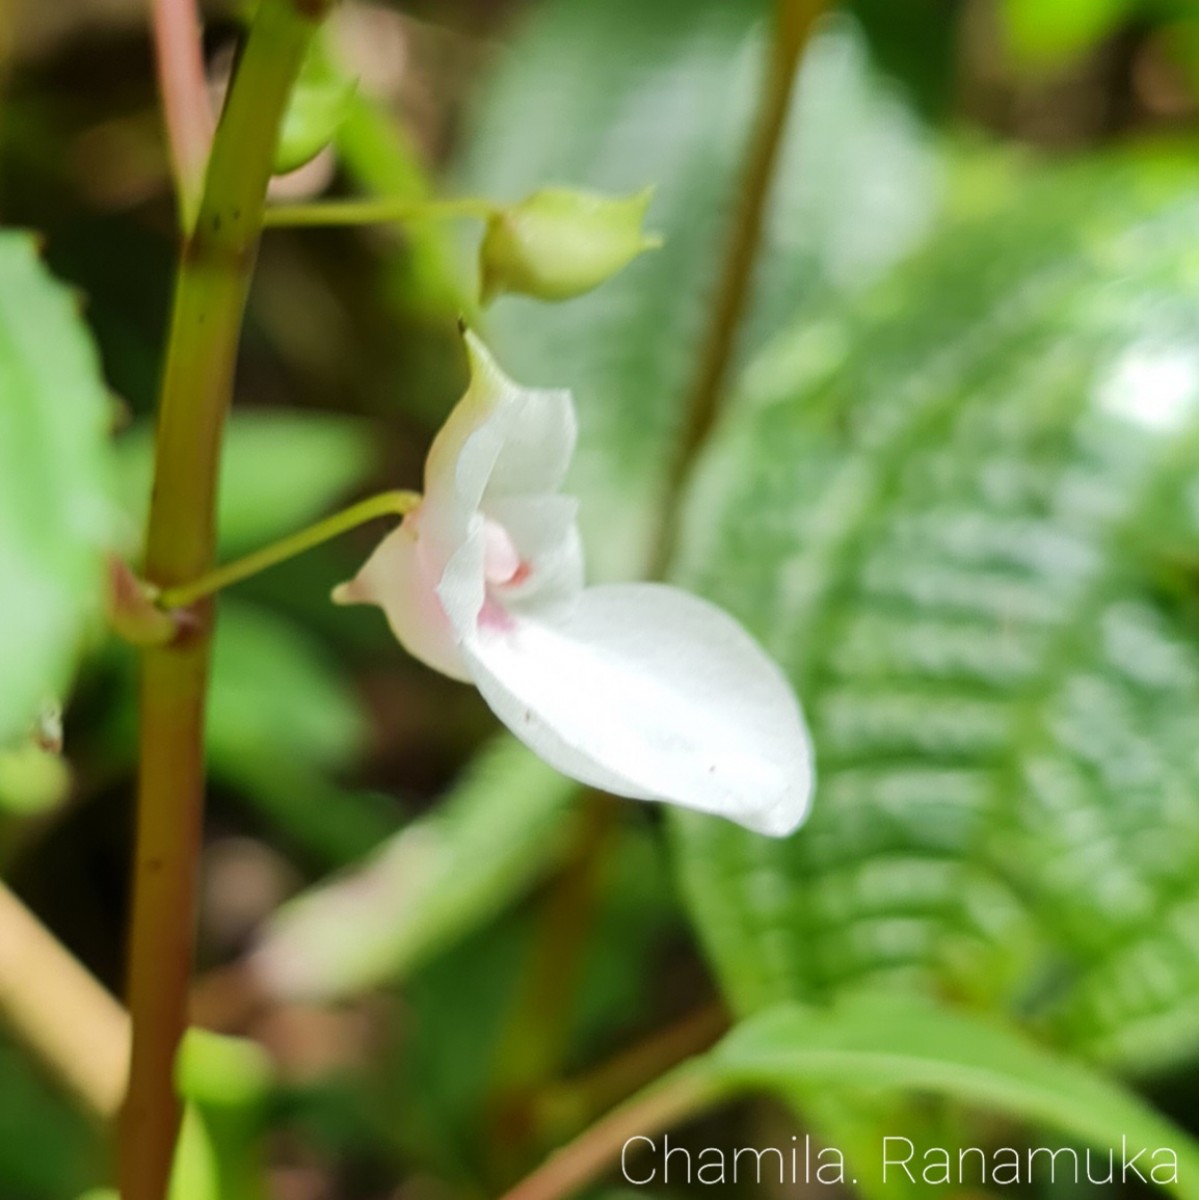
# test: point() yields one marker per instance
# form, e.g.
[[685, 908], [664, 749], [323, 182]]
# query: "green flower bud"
[[32, 780], [319, 106], [559, 243], [214, 1071]]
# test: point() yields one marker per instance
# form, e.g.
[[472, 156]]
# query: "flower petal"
[[398, 578], [462, 588], [500, 440], [545, 535], [651, 693]]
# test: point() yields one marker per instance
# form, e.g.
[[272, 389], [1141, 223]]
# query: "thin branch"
[[60, 1013], [580, 1100], [793, 26], [683, 1094], [383, 505], [376, 211]]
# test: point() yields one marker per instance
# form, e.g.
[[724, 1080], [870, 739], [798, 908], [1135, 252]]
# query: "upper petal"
[[650, 692], [500, 440], [399, 578]]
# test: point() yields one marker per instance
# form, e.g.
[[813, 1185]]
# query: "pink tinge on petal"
[[398, 578], [495, 618], [501, 560]]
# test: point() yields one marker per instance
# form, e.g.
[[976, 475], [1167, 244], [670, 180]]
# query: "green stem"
[[377, 211], [385, 504], [213, 281]]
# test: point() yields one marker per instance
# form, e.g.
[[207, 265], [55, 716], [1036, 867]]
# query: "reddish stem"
[[179, 55]]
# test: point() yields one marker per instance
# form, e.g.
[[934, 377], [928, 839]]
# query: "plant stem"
[[376, 211], [60, 1013], [210, 295], [385, 504], [793, 26], [682, 1094], [179, 56]]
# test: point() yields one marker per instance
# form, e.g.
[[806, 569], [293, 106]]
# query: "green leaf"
[[1047, 32], [47, 1150], [627, 94], [868, 1049], [317, 109], [443, 875], [871, 1044], [54, 510], [273, 687], [32, 780], [483, 987], [281, 720], [280, 471], [965, 518], [227, 1084], [382, 157]]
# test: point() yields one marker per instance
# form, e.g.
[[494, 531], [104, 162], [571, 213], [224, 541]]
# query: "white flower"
[[639, 689]]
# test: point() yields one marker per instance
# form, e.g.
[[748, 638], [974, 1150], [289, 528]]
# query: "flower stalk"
[[377, 212], [210, 295], [385, 504]]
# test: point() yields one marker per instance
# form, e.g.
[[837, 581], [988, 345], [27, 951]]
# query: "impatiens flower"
[[639, 689]]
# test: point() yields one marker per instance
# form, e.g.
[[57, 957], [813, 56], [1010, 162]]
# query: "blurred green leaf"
[[440, 877], [479, 987], [916, 44], [54, 509], [319, 106], [282, 719], [965, 518], [639, 909], [47, 1150], [272, 687], [280, 471], [627, 94], [32, 780], [1051, 31], [1181, 40], [195, 1173], [227, 1083], [383, 159], [217, 1072], [876, 1043], [439, 1086]]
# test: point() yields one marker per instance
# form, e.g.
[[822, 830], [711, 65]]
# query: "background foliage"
[[953, 491]]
